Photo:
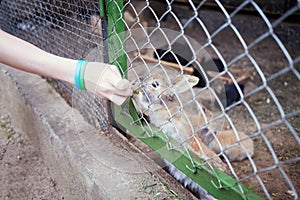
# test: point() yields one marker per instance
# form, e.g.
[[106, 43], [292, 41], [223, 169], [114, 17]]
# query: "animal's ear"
[[184, 83]]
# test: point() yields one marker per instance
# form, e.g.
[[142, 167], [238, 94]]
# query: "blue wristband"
[[79, 73]]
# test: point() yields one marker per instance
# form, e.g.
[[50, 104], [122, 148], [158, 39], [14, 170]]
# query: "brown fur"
[[183, 123]]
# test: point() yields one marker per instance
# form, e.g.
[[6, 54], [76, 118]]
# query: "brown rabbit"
[[159, 99]]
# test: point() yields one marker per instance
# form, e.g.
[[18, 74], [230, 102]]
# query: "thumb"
[[123, 84]]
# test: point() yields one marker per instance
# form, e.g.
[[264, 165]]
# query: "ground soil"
[[23, 173]]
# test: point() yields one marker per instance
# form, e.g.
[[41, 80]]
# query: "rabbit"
[[159, 99]]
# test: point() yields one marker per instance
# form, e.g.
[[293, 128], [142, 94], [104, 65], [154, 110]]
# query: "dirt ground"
[[23, 173]]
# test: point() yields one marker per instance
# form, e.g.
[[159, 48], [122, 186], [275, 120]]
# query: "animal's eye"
[[155, 84]]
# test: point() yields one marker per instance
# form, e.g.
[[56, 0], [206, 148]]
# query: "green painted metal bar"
[[116, 34], [116, 41], [102, 8], [206, 176]]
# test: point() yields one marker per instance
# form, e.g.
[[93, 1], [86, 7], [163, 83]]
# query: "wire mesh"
[[245, 53], [67, 28]]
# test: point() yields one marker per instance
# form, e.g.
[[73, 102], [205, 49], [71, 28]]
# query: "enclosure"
[[245, 55]]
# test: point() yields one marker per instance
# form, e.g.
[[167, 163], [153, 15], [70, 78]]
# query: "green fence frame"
[[216, 182]]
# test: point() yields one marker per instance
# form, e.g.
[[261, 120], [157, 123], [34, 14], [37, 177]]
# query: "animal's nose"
[[135, 85]]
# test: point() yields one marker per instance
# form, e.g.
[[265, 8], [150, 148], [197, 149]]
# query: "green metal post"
[[116, 35], [102, 9]]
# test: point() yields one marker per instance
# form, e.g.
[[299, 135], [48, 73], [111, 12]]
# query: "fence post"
[[116, 35]]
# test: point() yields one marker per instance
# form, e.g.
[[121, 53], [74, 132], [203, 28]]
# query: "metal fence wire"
[[215, 80]]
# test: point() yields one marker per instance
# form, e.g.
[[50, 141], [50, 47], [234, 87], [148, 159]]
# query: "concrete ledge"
[[84, 163]]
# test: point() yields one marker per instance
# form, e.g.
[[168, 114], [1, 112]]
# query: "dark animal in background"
[[168, 56], [228, 95]]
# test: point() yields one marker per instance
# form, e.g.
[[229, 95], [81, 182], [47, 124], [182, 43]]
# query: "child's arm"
[[27, 57], [101, 79]]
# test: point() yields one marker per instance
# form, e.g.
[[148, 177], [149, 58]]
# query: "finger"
[[110, 76], [119, 100], [122, 89], [125, 93], [114, 95], [123, 84], [113, 68], [113, 75]]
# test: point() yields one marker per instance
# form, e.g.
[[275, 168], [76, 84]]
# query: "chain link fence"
[[63, 28], [240, 115]]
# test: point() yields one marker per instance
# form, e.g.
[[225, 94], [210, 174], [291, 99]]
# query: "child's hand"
[[105, 81]]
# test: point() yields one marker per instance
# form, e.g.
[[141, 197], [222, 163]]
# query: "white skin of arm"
[[102, 79], [22, 55]]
